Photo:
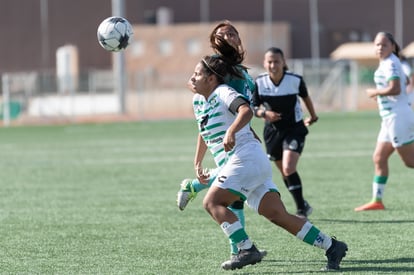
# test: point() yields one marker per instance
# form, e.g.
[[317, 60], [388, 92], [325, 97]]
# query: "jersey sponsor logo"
[[214, 141]]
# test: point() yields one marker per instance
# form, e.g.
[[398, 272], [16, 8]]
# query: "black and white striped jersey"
[[282, 97]]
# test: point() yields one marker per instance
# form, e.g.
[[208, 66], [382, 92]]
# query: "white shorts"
[[398, 129], [248, 173]]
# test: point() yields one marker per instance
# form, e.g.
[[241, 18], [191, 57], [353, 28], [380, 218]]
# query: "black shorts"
[[278, 140]]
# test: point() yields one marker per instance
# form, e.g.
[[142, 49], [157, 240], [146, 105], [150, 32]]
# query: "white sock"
[[313, 236], [229, 229], [378, 191]]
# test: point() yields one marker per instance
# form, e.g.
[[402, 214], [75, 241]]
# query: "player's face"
[[383, 46], [199, 81], [230, 35], [273, 63]]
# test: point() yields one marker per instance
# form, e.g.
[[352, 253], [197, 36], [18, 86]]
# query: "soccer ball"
[[115, 33]]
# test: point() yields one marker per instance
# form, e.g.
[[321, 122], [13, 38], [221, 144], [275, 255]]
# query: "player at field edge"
[[408, 71], [397, 116], [225, 42], [276, 100], [223, 116]]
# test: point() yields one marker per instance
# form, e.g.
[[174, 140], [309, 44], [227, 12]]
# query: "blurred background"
[[53, 69]]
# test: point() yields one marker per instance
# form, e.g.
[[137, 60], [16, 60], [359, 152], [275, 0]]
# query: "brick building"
[[33, 30]]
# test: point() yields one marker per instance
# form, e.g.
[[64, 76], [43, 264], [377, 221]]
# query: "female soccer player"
[[276, 100], [223, 117], [226, 43], [397, 126]]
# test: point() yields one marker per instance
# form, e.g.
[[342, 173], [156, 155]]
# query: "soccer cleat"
[[227, 264], [263, 253], [335, 253], [304, 213], [186, 194], [373, 205], [245, 257]]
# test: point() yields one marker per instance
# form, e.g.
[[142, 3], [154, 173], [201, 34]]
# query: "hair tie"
[[211, 69]]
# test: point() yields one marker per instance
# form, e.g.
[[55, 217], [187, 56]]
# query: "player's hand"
[[229, 141], [203, 175], [272, 116], [311, 120]]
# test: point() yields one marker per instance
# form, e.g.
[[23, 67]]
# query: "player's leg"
[[273, 209], [403, 131], [188, 192], [237, 208], [215, 202], [380, 158], [293, 145], [294, 183], [406, 153]]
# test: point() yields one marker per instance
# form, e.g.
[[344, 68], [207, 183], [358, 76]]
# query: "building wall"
[[164, 51], [28, 45]]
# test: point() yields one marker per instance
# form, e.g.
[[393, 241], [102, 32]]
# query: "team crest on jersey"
[[213, 102]]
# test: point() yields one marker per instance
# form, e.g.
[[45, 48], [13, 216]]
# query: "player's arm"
[[201, 149], [309, 106], [262, 109], [393, 88], [243, 117], [304, 94]]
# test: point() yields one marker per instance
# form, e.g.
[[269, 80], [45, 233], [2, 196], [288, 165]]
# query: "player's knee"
[[288, 170], [207, 204], [379, 159]]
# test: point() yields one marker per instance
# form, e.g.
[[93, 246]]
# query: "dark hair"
[[390, 37], [275, 50], [213, 64], [234, 57]]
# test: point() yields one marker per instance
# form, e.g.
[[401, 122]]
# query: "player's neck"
[[276, 77]]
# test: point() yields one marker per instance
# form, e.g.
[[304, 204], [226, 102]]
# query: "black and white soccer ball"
[[115, 33]]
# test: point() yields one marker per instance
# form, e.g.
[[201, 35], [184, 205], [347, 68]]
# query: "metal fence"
[[334, 86]]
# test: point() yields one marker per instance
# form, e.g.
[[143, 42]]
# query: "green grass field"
[[100, 199]]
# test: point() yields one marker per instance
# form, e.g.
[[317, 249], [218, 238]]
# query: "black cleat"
[[335, 253], [304, 213], [245, 257]]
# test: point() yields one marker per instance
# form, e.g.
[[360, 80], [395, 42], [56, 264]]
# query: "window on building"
[[165, 47], [137, 48], [193, 46]]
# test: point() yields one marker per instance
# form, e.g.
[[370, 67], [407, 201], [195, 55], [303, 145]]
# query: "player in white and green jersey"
[[397, 116], [226, 43], [223, 117]]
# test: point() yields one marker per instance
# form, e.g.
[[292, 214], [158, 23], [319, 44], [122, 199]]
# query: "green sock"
[[235, 232], [240, 215]]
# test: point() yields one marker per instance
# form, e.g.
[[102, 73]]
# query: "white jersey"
[[406, 68], [214, 118], [390, 69]]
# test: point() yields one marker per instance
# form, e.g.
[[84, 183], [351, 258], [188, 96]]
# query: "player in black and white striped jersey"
[[277, 100]]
